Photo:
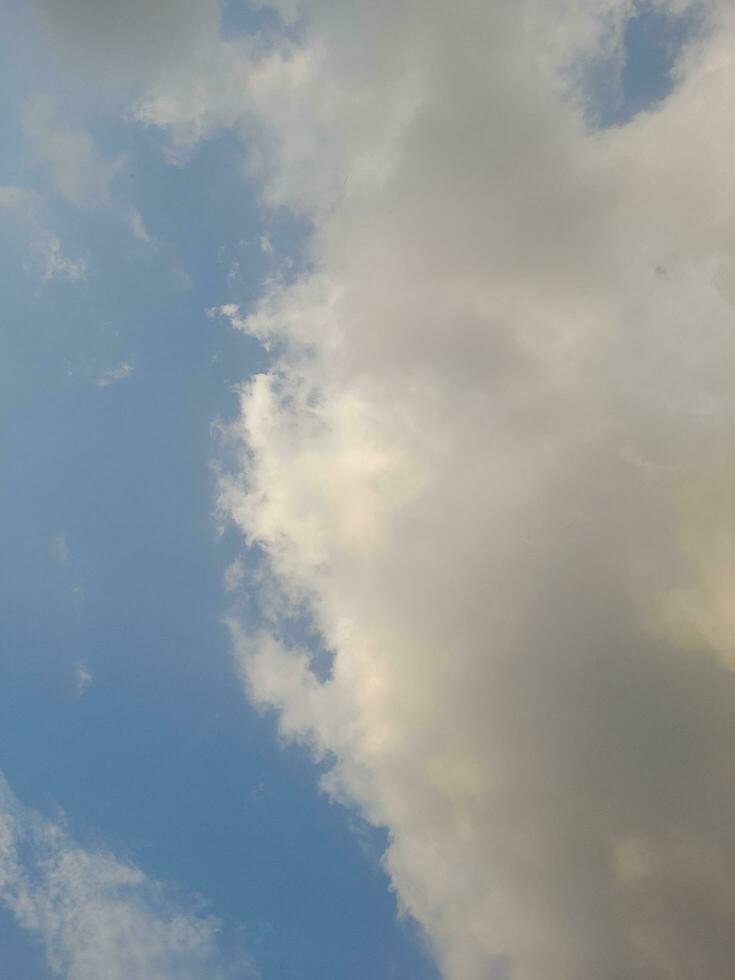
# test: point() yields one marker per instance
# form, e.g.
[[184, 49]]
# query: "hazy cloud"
[[60, 549], [83, 678], [78, 171], [234, 575], [121, 46], [45, 247], [58, 266], [12, 197]]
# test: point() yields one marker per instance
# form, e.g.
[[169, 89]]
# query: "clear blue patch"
[[239, 17], [652, 44]]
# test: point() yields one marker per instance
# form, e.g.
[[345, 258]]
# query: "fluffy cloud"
[[95, 915], [491, 462]]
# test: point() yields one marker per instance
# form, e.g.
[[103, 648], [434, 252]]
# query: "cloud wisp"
[[83, 678], [78, 172], [120, 373], [59, 266], [27, 206], [95, 915]]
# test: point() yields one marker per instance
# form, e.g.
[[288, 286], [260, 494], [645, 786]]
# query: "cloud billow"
[[493, 464]]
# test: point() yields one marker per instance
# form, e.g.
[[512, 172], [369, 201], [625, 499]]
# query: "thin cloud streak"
[[95, 915]]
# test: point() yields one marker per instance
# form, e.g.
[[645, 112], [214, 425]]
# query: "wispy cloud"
[[234, 575], [13, 197], [97, 916], [28, 207], [119, 373], [78, 171], [58, 266]]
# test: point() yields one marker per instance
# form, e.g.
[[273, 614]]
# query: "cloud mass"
[[491, 464]]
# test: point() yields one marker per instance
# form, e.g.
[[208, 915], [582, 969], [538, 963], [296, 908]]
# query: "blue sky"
[[124, 722]]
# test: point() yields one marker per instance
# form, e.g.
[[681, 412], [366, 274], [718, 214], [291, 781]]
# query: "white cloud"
[[97, 916], [493, 462], [119, 373]]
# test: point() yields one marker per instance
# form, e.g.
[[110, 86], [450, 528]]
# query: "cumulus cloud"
[[97, 916], [491, 463]]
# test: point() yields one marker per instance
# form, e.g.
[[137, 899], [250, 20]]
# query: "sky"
[[368, 548]]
